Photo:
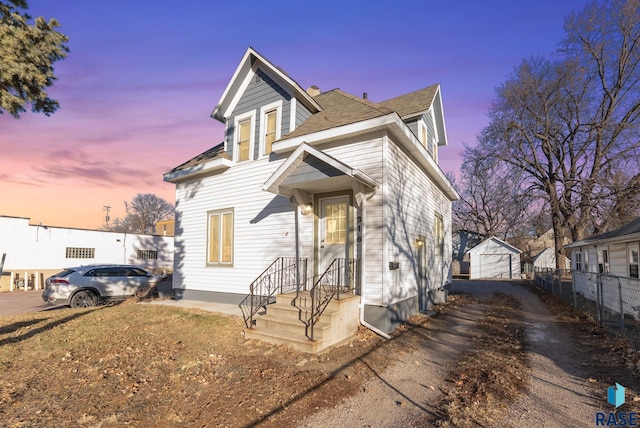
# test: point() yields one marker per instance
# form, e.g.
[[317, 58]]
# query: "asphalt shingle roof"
[[213, 153], [339, 108], [413, 102]]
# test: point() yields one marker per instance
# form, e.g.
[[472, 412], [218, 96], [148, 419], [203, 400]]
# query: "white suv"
[[85, 286]]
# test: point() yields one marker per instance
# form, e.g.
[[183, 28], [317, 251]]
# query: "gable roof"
[[495, 240], [413, 103], [251, 61]]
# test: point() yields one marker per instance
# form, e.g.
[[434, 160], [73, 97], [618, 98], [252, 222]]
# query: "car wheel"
[[84, 299]]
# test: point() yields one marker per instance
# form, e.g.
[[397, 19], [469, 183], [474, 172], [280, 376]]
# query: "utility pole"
[[106, 217]]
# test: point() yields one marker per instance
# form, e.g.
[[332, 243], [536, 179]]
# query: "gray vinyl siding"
[[413, 126], [302, 114], [311, 169], [262, 90]]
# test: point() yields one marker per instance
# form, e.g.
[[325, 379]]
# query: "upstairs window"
[[270, 124], [244, 140], [244, 136], [270, 130]]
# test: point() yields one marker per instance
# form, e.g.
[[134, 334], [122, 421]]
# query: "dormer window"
[[270, 124], [244, 137]]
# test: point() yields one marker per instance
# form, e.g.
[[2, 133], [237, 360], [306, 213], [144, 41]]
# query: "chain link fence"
[[613, 300]]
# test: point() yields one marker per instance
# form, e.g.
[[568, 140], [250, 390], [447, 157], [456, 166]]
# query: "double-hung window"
[[578, 259], [632, 254], [220, 237], [244, 136], [270, 125], [244, 139]]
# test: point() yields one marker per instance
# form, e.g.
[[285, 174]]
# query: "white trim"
[[246, 66], [385, 220], [277, 106], [252, 136], [199, 169], [423, 130], [238, 94], [404, 137], [293, 105], [273, 183]]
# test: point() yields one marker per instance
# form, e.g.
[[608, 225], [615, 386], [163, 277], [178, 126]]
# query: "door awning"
[[309, 170]]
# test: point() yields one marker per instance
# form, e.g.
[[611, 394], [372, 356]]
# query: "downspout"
[[297, 232], [363, 273]]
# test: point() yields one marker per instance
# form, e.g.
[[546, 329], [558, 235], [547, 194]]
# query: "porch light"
[[419, 242], [307, 209]]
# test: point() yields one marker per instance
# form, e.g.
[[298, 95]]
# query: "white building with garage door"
[[494, 258]]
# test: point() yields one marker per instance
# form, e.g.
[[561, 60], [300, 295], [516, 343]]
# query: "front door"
[[334, 231]]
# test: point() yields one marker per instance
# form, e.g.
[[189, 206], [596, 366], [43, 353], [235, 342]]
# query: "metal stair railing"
[[283, 275], [341, 277]]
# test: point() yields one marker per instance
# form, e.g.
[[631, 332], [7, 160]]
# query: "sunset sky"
[[142, 78]]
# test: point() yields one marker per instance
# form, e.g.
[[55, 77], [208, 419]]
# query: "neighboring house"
[[319, 178], [614, 252], [605, 269], [34, 252], [546, 259], [166, 227], [494, 258]]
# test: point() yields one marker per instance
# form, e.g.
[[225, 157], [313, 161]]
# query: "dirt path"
[[558, 394], [410, 389]]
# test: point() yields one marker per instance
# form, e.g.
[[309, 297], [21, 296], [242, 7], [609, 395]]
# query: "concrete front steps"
[[281, 324]]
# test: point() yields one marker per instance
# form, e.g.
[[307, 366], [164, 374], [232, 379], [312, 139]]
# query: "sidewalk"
[[223, 308]]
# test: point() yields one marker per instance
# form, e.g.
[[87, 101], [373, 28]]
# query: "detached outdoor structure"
[[494, 258]]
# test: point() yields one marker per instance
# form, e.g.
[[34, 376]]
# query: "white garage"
[[494, 258]]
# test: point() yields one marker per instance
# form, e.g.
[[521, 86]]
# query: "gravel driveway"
[[406, 394]]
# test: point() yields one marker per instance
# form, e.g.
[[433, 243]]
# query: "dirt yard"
[[473, 364]]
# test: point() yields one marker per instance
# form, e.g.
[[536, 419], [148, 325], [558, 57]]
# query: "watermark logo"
[[615, 395]]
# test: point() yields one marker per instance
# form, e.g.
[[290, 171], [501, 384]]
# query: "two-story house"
[[319, 191]]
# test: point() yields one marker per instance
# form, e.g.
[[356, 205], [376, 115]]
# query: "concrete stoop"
[[281, 323]]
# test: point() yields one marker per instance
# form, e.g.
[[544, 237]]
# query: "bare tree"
[[570, 124], [143, 212], [492, 199]]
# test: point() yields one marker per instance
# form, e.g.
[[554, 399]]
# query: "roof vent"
[[313, 91], [364, 95]]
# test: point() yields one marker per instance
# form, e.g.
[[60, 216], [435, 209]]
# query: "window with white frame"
[[578, 259], [270, 125], [243, 138], [439, 234], [220, 237], [585, 260], [603, 261], [632, 254]]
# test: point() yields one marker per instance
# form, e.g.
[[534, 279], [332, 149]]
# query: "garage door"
[[495, 266]]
